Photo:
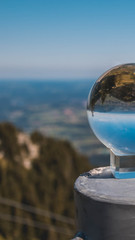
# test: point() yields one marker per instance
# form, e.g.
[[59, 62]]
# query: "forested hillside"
[[37, 172]]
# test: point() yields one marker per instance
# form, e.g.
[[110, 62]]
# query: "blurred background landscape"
[[45, 143], [56, 109], [51, 53]]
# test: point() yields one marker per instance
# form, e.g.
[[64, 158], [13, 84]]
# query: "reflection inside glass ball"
[[111, 109], [111, 114]]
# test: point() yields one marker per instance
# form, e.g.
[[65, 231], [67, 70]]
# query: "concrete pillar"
[[105, 206]]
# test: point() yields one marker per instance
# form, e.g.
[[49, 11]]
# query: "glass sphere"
[[111, 109]]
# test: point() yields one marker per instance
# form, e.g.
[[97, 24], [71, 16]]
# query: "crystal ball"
[[111, 109]]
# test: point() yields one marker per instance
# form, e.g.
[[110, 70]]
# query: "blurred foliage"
[[48, 184]]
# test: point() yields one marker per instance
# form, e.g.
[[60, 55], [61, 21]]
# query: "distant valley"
[[56, 109]]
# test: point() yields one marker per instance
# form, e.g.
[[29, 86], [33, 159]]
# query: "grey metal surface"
[[105, 206]]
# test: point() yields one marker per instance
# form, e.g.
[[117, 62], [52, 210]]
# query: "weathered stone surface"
[[105, 206]]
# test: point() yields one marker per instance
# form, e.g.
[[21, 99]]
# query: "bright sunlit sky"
[[60, 39]]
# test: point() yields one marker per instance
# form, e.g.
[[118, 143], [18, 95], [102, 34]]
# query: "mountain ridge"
[[43, 180]]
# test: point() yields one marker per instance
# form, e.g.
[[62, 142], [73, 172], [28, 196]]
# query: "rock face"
[[32, 149], [17, 145]]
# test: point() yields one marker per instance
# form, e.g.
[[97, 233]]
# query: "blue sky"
[[65, 38]]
